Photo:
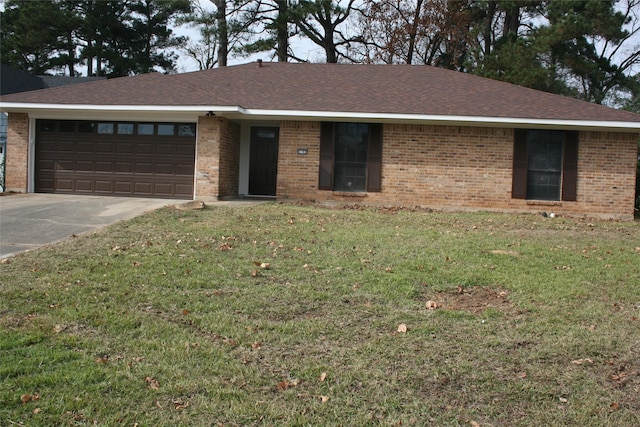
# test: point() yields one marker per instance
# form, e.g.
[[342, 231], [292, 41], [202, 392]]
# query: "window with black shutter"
[[350, 157], [545, 165]]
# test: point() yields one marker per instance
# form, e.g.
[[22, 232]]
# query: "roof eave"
[[191, 112], [482, 121]]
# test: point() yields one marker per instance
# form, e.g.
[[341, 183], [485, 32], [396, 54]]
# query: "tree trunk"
[[223, 32], [282, 20], [511, 20], [488, 27], [71, 48], [414, 31]]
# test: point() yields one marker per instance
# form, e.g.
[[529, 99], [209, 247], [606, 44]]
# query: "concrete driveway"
[[28, 221]]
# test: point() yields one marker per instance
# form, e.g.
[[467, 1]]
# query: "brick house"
[[370, 134]]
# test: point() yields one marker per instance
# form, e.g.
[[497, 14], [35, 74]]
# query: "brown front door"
[[263, 162]]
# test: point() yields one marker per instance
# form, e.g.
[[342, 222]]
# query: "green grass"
[[169, 319]]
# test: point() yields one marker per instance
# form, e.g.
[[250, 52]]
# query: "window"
[[145, 129], [545, 165], [187, 130], [350, 157], [86, 127], [67, 126], [125, 128], [105, 128], [166, 130]]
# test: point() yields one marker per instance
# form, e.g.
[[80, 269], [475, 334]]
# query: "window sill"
[[544, 203], [349, 194]]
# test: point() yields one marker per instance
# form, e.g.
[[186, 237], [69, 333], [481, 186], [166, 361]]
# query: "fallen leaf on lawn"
[[152, 383], [615, 406], [29, 397], [225, 247], [284, 385], [136, 264], [402, 328], [389, 270], [256, 345], [185, 312], [474, 424], [102, 360], [263, 265], [323, 376], [179, 405], [158, 404], [637, 249], [37, 411], [324, 399], [582, 361], [563, 399], [521, 375], [431, 305]]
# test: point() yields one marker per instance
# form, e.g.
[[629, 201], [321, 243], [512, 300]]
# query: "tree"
[[320, 20], [266, 22], [414, 32], [150, 49], [29, 37], [586, 40]]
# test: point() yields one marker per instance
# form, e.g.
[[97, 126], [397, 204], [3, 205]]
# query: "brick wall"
[[463, 168], [217, 157], [17, 155]]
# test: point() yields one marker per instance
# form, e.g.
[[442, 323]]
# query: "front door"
[[263, 162]]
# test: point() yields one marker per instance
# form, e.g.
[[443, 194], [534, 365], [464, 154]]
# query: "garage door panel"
[[104, 166], [165, 149], [185, 150], [165, 189], [144, 148], [46, 165], [105, 147], [185, 190], [104, 186], [143, 188], [144, 168], [84, 185], [88, 162], [65, 146], [123, 187], [85, 147], [184, 170], [124, 148], [64, 184], [65, 165], [84, 166], [124, 167]]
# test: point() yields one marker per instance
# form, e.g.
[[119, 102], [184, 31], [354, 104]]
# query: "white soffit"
[[191, 113]]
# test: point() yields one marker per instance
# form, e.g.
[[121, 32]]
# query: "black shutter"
[[327, 142], [570, 167], [520, 166], [374, 162]]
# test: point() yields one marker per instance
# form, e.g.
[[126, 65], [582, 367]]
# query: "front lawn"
[[287, 315]]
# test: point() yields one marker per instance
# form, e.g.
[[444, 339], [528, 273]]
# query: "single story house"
[[365, 134]]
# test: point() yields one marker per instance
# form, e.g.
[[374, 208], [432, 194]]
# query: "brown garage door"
[[115, 158]]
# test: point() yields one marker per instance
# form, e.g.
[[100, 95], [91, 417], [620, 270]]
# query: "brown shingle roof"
[[344, 88]]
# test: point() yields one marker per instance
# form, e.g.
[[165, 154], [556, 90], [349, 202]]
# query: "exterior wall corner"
[[17, 154]]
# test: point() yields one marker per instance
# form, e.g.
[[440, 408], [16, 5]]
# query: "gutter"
[[192, 112]]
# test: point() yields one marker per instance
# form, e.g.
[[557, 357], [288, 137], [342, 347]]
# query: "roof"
[[13, 80], [394, 92]]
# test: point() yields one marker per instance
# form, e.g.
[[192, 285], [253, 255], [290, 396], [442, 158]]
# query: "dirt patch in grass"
[[475, 300]]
